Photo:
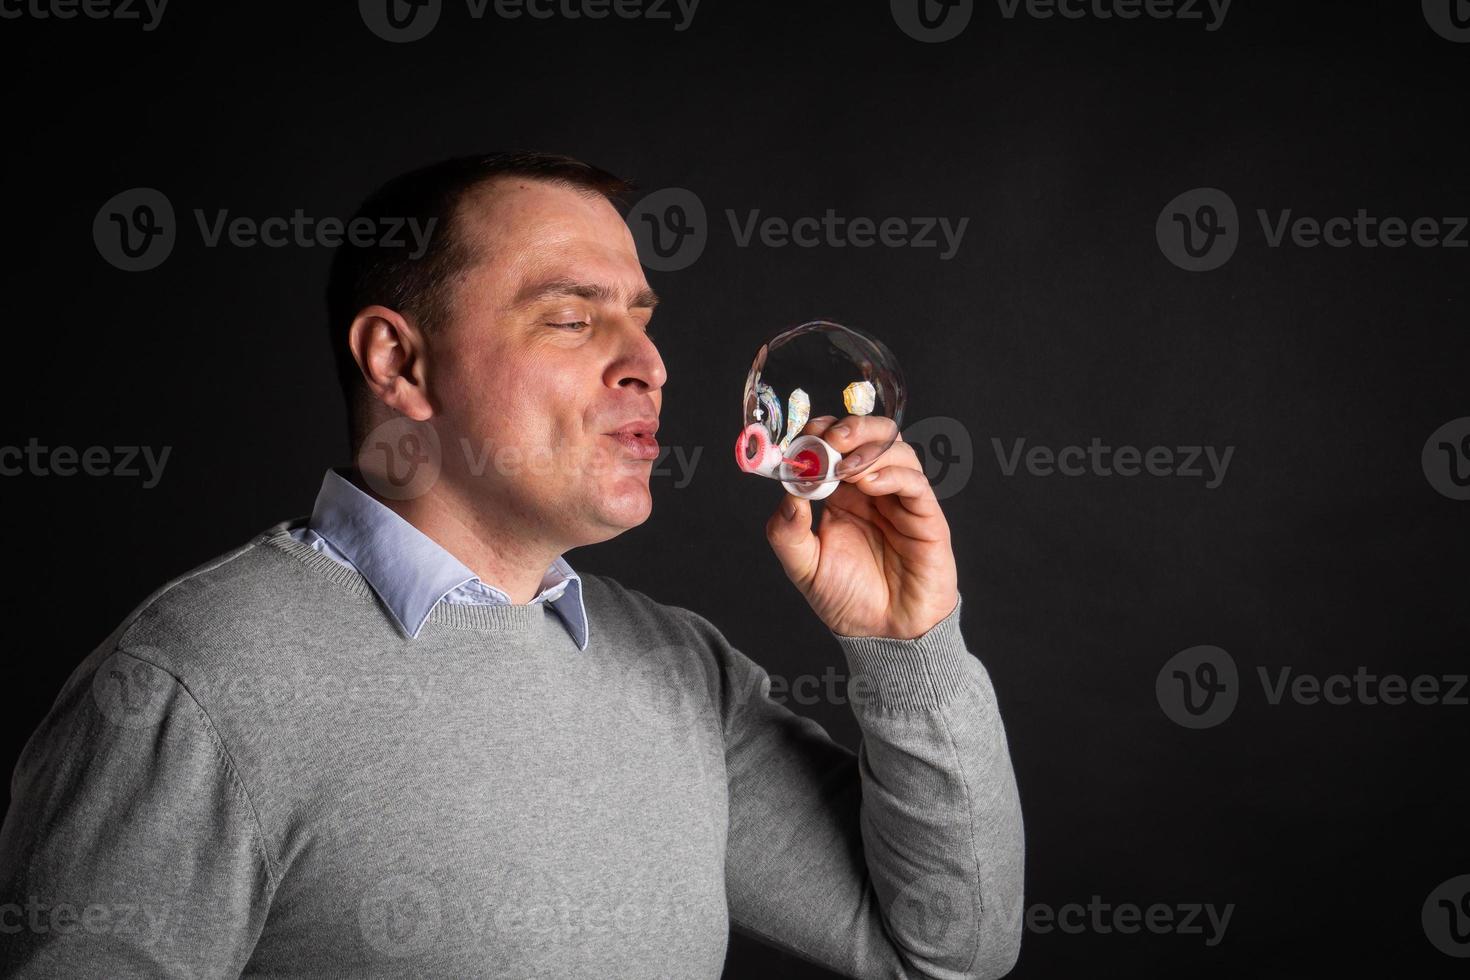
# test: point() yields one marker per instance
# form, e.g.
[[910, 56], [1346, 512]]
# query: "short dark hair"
[[402, 273]]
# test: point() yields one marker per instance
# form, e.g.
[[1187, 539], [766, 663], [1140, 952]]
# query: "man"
[[405, 738]]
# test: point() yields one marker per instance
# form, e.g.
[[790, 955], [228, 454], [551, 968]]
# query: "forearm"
[[941, 820], [904, 860]]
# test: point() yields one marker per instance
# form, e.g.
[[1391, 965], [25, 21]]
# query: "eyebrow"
[[646, 298]]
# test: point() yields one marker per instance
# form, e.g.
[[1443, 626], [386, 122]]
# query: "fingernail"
[[840, 430], [853, 462], [790, 510]]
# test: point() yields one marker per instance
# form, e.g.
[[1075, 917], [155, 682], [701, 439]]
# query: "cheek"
[[485, 396], [526, 399]]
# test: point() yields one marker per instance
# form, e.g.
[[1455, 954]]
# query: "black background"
[[1324, 549]]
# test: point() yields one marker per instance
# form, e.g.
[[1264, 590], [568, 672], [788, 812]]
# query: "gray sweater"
[[258, 775]]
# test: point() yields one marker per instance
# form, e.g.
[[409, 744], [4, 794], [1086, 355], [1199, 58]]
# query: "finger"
[[854, 430], [871, 453], [852, 500], [907, 523], [789, 532], [910, 486], [818, 425]]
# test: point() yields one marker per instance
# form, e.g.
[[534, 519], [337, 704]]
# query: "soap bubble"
[[816, 369]]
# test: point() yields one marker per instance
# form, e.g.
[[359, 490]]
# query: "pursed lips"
[[637, 438]]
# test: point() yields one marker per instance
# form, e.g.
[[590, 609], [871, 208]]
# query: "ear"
[[390, 352]]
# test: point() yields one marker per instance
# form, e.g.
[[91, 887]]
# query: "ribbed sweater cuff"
[[915, 674]]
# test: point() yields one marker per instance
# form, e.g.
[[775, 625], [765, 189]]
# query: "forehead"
[[527, 229]]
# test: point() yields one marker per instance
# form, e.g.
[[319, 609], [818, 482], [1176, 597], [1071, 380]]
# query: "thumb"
[[791, 538]]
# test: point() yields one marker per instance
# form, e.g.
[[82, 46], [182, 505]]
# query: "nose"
[[637, 363]]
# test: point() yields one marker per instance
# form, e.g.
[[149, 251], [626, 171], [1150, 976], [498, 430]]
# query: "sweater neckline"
[[496, 618]]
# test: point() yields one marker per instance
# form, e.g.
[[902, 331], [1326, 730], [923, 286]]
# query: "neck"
[[502, 555]]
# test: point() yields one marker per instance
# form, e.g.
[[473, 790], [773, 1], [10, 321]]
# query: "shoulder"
[[146, 670], [228, 603]]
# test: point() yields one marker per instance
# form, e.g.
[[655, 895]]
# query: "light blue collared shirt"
[[408, 570]]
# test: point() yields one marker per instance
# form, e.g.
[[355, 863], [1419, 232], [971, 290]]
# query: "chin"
[[622, 509]]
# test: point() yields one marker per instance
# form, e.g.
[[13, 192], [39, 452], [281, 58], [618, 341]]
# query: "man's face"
[[547, 353]]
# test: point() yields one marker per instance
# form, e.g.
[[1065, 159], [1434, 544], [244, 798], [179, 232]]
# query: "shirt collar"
[[409, 571]]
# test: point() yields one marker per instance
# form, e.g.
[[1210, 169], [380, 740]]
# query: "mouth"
[[637, 438]]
